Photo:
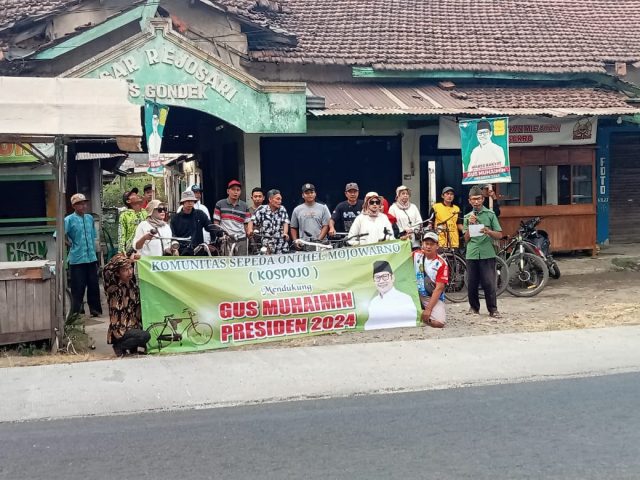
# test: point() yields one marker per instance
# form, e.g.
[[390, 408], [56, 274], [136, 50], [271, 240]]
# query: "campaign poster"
[[200, 303], [155, 118], [485, 150]]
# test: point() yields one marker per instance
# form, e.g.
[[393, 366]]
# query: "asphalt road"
[[569, 429]]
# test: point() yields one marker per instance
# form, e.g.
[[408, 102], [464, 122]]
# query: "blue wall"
[[603, 162]]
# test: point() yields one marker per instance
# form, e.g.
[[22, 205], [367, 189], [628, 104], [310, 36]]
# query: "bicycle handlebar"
[[322, 246]]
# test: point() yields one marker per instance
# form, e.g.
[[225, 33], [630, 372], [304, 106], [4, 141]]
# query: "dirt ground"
[[575, 301]]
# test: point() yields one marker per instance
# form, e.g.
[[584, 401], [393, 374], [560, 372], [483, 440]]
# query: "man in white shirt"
[[390, 308], [487, 155]]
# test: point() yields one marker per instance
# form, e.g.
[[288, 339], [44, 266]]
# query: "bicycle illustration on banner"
[[168, 331]]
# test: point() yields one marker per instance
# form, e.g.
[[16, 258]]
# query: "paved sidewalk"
[[603, 262], [227, 378]]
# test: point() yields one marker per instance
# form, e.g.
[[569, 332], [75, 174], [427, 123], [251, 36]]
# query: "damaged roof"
[[12, 11], [347, 99], [490, 35]]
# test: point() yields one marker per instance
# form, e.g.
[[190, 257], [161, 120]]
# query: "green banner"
[[199, 303], [14, 153], [485, 150]]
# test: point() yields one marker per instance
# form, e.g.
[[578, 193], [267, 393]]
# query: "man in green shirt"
[[130, 219], [480, 228]]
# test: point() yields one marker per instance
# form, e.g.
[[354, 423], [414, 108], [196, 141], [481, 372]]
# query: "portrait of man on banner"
[[485, 150], [155, 117]]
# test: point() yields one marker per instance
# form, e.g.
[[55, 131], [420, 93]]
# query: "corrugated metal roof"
[[346, 99]]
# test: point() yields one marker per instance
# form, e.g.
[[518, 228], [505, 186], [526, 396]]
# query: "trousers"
[[84, 276], [482, 273]]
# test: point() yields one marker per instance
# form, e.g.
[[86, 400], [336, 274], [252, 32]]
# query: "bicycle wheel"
[[502, 276], [155, 331], [200, 333], [528, 275], [554, 270], [456, 290]]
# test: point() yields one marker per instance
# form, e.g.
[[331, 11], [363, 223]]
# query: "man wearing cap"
[[197, 191], [487, 155], [480, 253], [232, 214], [80, 236], [346, 211], [147, 195], [130, 219], [189, 223], [447, 215], [390, 308], [432, 275], [310, 220]]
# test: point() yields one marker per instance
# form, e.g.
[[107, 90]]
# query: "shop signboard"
[[20, 248], [531, 132], [485, 150], [165, 67], [14, 153], [202, 303]]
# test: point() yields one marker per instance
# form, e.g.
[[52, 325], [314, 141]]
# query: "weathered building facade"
[[279, 93]]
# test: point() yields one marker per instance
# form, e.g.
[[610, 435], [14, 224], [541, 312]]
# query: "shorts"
[[439, 312]]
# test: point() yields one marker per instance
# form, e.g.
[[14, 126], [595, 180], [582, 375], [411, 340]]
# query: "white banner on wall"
[[531, 132]]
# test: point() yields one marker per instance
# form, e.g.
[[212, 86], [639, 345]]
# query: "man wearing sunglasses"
[[152, 235]]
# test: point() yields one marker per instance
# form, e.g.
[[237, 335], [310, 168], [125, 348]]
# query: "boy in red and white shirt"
[[432, 275]]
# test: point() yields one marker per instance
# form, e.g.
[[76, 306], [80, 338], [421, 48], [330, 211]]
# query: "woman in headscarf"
[[152, 235], [125, 332], [372, 223], [407, 214]]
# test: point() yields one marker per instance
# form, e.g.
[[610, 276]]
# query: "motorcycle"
[[540, 239]]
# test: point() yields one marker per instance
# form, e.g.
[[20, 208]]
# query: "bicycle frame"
[[168, 331]]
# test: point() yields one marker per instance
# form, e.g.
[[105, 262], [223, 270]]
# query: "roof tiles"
[[492, 35], [14, 10], [558, 36]]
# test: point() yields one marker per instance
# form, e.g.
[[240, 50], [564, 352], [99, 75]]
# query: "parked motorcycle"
[[540, 239]]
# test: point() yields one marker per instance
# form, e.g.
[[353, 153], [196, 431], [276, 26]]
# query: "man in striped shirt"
[[232, 214]]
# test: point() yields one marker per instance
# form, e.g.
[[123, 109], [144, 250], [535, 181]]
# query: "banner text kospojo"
[[264, 298]]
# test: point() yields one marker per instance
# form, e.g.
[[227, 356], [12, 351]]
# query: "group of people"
[[144, 230], [479, 228]]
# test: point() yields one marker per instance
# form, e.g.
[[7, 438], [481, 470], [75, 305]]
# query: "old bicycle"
[[166, 332]]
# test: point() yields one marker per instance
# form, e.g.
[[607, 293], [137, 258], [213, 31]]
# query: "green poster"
[[200, 303], [485, 150], [155, 119]]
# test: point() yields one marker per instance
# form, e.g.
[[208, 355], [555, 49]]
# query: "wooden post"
[[59, 164]]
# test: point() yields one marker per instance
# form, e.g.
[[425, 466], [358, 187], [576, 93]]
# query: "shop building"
[[280, 93]]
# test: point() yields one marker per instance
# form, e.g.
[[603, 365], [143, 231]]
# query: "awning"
[[347, 99], [71, 107], [62, 109]]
